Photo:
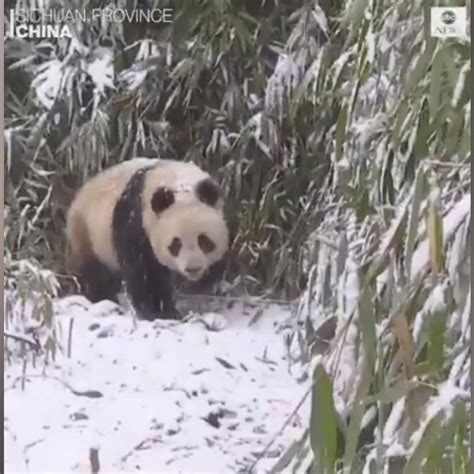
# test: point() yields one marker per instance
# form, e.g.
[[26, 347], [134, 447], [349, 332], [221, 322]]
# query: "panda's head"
[[187, 237]]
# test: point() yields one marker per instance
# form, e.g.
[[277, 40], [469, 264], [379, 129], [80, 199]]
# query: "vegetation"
[[341, 133]]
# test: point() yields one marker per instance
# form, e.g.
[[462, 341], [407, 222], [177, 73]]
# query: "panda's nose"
[[193, 271]]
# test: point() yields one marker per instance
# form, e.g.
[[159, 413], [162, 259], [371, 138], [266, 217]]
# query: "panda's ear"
[[162, 199], [208, 192]]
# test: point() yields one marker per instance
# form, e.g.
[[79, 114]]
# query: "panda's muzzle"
[[193, 272]]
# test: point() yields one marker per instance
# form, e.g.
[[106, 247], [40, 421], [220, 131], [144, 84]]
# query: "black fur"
[[98, 282], [148, 283], [208, 192], [162, 199]]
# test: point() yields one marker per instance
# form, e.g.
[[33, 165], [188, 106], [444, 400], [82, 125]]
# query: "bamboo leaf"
[[341, 132], [465, 142], [436, 81], [435, 231], [390, 239], [454, 132], [356, 14], [422, 448], [424, 60], [413, 220], [367, 324], [401, 115], [406, 351], [420, 148], [437, 330], [323, 421], [358, 410], [462, 90], [394, 392]]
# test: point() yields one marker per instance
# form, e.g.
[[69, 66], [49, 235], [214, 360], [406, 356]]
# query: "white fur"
[[187, 221], [89, 221]]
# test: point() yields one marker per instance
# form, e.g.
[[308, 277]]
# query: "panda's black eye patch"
[[162, 199], [175, 247], [208, 192], [205, 243]]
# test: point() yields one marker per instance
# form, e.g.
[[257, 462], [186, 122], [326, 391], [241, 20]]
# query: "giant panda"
[[141, 222]]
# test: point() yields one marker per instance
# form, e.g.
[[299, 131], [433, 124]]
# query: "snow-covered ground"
[[206, 395]]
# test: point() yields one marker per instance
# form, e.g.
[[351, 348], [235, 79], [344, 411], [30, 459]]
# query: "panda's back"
[[89, 220]]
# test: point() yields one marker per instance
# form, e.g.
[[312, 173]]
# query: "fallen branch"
[[20, 338], [79, 393], [280, 431], [94, 460]]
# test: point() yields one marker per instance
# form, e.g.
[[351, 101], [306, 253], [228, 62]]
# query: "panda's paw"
[[152, 313], [146, 314], [171, 313]]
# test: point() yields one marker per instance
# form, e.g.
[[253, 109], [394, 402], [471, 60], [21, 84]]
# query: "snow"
[[442, 403], [48, 82], [101, 69], [203, 395], [133, 78], [282, 83], [147, 49], [451, 223], [435, 303]]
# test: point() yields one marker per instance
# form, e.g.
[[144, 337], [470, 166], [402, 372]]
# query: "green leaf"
[[414, 219], [435, 231], [434, 461], [437, 329], [461, 456], [403, 111], [356, 14], [418, 72], [394, 392], [249, 18], [390, 240], [341, 132], [420, 148], [323, 421], [454, 132], [242, 33], [437, 81], [339, 70], [465, 142], [367, 324], [434, 445], [422, 448], [358, 410], [463, 87]]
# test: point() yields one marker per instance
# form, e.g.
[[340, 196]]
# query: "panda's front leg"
[[160, 281], [151, 292]]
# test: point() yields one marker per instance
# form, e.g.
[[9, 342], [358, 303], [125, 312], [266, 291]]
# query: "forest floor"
[[205, 395]]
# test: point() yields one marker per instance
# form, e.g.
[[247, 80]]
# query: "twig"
[[79, 393], [31, 445], [140, 445], [23, 374], [69, 339], [258, 314], [19, 448], [94, 460], [448, 164], [280, 431], [31, 342]]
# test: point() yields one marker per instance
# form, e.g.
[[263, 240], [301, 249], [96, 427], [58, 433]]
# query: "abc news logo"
[[448, 17], [448, 22]]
